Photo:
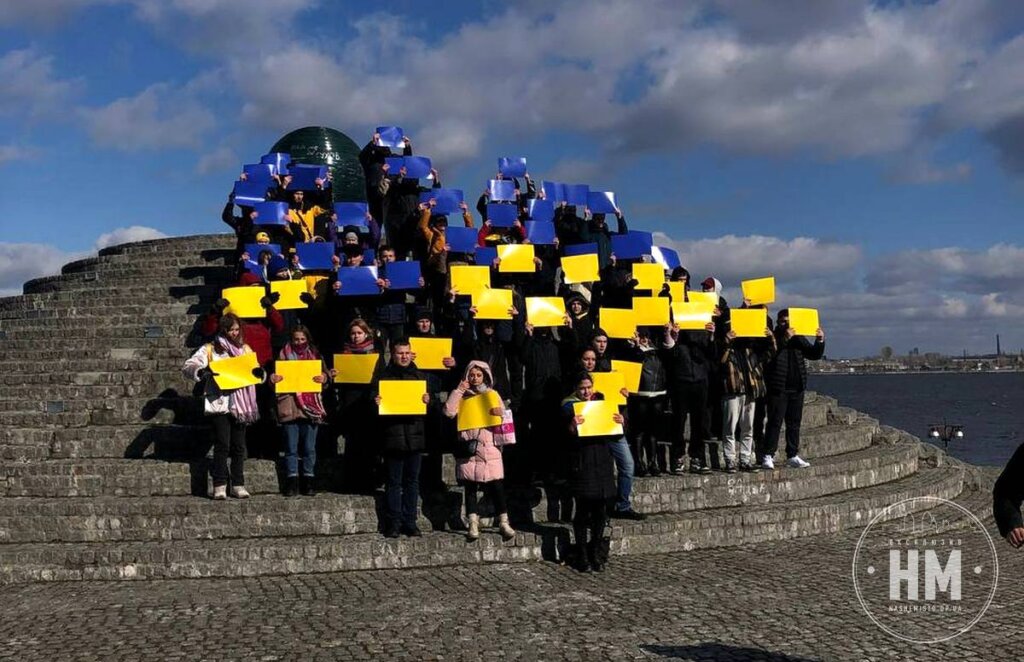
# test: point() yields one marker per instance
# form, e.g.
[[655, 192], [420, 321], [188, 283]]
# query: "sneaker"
[[391, 530], [767, 463], [220, 492], [307, 488], [411, 530], [698, 467], [629, 514], [239, 492], [797, 462], [730, 467], [676, 468], [749, 467]]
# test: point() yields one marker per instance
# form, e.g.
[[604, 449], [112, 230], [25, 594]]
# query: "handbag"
[[288, 409], [463, 449], [504, 434]]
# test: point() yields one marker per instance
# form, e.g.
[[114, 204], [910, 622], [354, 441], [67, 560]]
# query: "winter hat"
[[262, 237]]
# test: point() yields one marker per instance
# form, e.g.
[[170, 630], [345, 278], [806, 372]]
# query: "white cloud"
[[127, 235], [45, 13], [158, 117], [10, 154], [219, 160], [30, 86]]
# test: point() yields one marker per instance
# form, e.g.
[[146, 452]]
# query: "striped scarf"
[[242, 400], [310, 403]]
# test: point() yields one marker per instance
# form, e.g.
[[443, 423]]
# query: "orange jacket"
[[436, 253]]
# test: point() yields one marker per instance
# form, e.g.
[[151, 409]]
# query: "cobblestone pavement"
[[789, 600]]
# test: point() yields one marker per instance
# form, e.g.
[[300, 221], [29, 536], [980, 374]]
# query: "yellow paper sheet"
[[675, 289], [610, 384], [289, 291], [545, 311], [804, 321], [630, 373], [430, 352], [355, 368], [245, 301], [235, 372], [475, 411], [516, 258], [749, 322], [650, 311], [493, 304], [399, 397], [313, 285], [580, 268], [709, 298], [650, 276], [298, 376], [597, 418], [691, 316], [759, 290], [617, 322], [470, 279]]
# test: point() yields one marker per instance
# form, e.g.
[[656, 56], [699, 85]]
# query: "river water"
[[988, 405]]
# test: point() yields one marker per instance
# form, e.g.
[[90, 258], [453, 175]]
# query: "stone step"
[[170, 517], [155, 373], [162, 312], [174, 245], [53, 304], [127, 477], [211, 258], [248, 557], [90, 281], [115, 349]]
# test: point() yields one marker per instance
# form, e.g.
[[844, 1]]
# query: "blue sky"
[[868, 155]]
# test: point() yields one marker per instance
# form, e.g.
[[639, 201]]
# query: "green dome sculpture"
[[320, 144]]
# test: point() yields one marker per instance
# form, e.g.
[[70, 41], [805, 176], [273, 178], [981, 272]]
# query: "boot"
[[595, 556], [474, 528], [307, 488], [291, 486], [507, 532], [582, 558]]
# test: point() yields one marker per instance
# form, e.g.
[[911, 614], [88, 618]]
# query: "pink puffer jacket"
[[485, 465]]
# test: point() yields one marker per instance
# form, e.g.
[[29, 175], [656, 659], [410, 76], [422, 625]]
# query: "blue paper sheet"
[[580, 249], [390, 136], [502, 190], [278, 160], [666, 257], [315, 255], [486, 255], [502, 214], [402, 275], [601, 202], [417, 167], [553, 191], [304, 177], [512, 166], [351, 213], [259, 173], [632, 245], [247, 194], [540, 232], [395, 164], [254, 250], [540, 210], [271, 213], [576, 194], [255, 269], [448, 200], [357, 281], [461, 240]]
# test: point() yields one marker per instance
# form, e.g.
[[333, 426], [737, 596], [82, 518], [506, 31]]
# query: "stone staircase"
[[103, 457]]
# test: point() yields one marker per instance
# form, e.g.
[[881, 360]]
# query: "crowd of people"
[[695, 385]]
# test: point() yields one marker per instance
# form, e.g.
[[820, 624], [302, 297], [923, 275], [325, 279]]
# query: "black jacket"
[[688, 359], [794, 351], [1009, 493], [591, 466], [401, 434]]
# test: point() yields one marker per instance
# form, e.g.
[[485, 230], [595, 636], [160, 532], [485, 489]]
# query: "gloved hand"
[[307, 298], [220, 304], [205, 373], [259, 373]]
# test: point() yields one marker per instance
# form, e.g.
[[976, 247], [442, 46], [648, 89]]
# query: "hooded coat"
[[485, 465], [591, 465]]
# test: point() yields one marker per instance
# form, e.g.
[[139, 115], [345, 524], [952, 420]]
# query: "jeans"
[[229, 440], [738, 411], [402, 491], [788, 407], [495, 490], [624, 470], [298, 434]]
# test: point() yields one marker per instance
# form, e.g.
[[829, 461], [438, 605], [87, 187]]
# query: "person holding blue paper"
[[345, 309], [372, 157], [594, 229], [433, 229], [401, 203], [303, 211], [391, 309]]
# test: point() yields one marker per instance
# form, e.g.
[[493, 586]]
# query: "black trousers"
[[495, 491], [760, 413], [788, 407], [590, 514], [229, 441], [688, 399], [645, 416]]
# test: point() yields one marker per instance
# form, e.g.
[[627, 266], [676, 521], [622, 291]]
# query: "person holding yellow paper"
[[402, 440], [230, 412], [787, 381], [742, 364], [688, 356], [591, 478], [646, 406], [300, 415], [356, 415], [479, 463]]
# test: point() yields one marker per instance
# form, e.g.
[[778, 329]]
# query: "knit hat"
[[351, 237], [262, 237], [423, 313]]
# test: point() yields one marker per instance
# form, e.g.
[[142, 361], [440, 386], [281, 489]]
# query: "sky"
[[870, 156]]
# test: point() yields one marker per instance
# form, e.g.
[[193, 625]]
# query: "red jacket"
[[487, 230]]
